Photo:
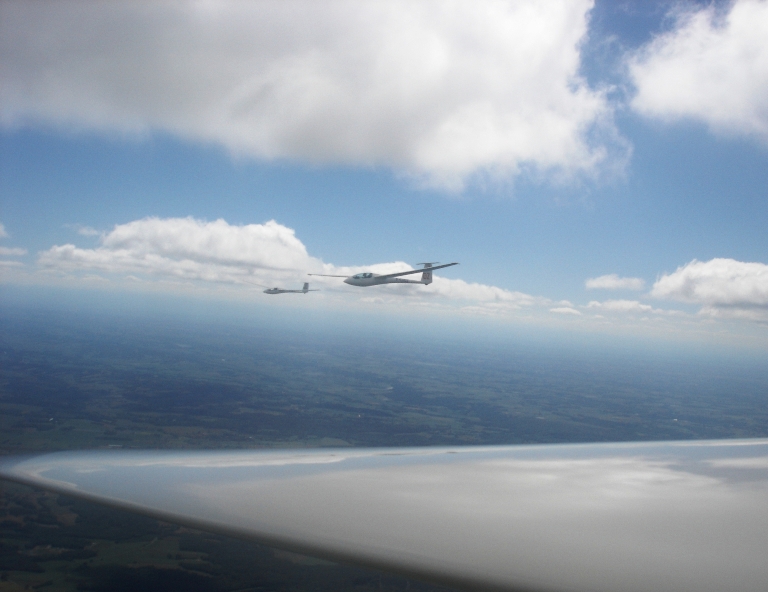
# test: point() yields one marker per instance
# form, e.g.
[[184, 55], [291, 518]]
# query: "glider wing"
[[600, 517]]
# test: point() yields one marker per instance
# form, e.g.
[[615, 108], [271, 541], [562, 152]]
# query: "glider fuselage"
[[367, 278]]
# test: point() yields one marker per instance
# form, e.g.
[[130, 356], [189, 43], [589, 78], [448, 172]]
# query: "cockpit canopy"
[[362, 276]]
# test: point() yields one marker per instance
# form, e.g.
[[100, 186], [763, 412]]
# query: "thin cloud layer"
[[438, 90], [614, 282], [565, 310], [12, 251], [9, 251], [620, 306], [724, 287], [712, 67]]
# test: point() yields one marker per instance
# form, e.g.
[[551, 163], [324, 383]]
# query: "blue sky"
[[541, 145]]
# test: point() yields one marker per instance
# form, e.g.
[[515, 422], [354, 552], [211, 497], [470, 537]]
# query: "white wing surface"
[[676, 516], [422, 270]]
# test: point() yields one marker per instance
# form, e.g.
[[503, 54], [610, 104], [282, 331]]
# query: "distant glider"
[[304, 290], [374, 279]]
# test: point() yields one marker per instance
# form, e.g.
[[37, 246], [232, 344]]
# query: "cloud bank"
[[438, 90], [614, 282], [186, 253], [712, 67], [723, 287], [186, 250]]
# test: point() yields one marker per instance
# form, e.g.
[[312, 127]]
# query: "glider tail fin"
[[426, 276], [305, 289]]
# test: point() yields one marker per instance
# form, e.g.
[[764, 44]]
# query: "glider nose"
[[346, 281]]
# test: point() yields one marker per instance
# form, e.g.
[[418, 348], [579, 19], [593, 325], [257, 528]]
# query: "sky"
[[595, 167]]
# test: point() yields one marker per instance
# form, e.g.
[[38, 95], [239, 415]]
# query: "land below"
[[72, 381]]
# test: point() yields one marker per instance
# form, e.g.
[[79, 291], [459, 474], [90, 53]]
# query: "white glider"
[[374, 279], [304, 290]]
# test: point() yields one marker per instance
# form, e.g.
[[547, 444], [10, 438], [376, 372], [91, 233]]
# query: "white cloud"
[[439, 90], [614, 282], [83, 230], [726, 312], [473, 298], [12, 251], [454, 289], [723, 287], [189, 249], [711, 67], [566, 310], [632, 306], [9, 251]]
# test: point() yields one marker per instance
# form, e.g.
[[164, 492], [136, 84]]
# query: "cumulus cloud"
[[614, 282], [724, 287], [712, 67], [439, 90], [189, 249], [3, 233]]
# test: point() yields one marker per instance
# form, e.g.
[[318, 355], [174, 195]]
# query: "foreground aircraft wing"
[[422, 270], [674, 516]]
